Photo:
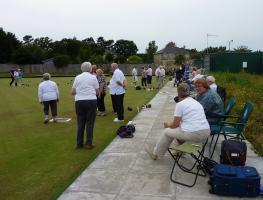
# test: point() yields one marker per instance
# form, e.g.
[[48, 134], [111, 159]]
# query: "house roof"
[[171, 48]]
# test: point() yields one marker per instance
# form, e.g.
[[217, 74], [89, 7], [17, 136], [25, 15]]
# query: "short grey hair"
[[85, 67], [114, 65], [211, 79], [46, 76], [183, 90]]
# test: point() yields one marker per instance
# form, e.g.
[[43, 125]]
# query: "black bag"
[[126, 131], [209, 165], [238, 181], [138, 87], [233, 152]]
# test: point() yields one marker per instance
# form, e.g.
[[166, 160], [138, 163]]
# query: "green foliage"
[[150, 51], [43, 42], [109, 57], [98, 59], [124, 49], [143, 56], [61, 60], [179, 59], [8, 44], [28, 54], [134, 60], [39, 161], [214, 49], [242, 49], [243, 86]]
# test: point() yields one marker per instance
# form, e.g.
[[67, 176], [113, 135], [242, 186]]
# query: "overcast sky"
[[185, 22]]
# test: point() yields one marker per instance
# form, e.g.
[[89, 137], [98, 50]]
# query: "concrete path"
[[124, 171]]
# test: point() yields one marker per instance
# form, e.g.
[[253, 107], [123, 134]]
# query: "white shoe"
[[117, 120], [149, 149]]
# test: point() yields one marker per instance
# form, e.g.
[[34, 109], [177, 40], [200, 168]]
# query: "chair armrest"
[[230, 123]]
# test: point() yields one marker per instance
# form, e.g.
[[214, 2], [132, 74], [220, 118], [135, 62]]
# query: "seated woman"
[[189, 124], [210, 100]]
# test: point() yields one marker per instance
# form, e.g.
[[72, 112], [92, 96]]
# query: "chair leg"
[[211, 156]]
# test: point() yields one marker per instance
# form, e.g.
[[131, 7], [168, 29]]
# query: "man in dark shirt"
[[12, 71]]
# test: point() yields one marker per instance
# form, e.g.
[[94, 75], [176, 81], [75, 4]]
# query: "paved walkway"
[[124, 171]]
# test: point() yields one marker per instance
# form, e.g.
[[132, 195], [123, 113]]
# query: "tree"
[[150, 51], [179, 59], [134, 60], [8, 45], [43, 42], [61, 60], [105, 44], [124, 49], [28, 54], [109, 57], [28, 39], [242, 49], [214, 50]]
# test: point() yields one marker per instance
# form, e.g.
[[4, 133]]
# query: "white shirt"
[[16, 74], [213, 87], [157, 71], [113, 86], [162, 72], [134, 72], [192, 114], [47, 91], [85, 85]]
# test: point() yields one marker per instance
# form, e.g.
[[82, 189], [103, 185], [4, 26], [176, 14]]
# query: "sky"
[[190, 23]]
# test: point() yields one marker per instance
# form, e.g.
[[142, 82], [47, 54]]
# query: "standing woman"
[[102, 93], [85, 88], [48, 95]]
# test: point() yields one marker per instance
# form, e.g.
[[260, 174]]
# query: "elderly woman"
[[209, 99], [189, 124], [211, 82], [48, 95], [102, 93], [85, 88]]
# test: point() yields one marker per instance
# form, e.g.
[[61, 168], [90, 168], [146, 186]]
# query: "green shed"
[[235, 62]]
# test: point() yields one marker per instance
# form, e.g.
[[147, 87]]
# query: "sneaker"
[[149, 149], [102, 114], [46, 121], [54, 120], [118, 120]]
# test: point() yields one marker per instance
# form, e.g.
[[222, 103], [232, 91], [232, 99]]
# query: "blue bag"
[[238, 181]]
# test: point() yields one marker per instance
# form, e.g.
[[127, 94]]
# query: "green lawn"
[[39, 161]]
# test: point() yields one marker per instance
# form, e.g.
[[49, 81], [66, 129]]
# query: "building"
[[166, 56]]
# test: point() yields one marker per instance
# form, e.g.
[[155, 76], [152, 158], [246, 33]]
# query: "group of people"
[[89, 90], [192, 116], [146, 77], [16, 76]]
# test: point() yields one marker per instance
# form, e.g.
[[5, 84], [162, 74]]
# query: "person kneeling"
[[189, 124]]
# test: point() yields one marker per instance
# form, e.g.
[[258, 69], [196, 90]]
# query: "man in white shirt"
[[117, 90], [149, 73], [85, 88], [211, 82], [189, 124], [48, 95], [134, 76]]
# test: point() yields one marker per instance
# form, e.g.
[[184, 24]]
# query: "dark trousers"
[[86, 115], [118, 103], [100, 103], [144, 84], [12, 81], [113, 103], [53, 107]]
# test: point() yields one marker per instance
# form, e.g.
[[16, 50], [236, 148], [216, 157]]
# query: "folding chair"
[[232, 129], [214, 126], [196, 151]]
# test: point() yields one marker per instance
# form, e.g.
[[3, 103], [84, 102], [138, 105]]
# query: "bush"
[[134, 60], [61, 60]]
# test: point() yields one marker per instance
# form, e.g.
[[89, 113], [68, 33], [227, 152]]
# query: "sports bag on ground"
[[126, 131], [233, 152], [238, 181]]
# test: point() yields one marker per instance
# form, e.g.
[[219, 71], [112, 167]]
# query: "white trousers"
[[177, 136]]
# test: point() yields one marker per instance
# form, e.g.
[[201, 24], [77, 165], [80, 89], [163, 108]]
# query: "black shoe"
[[78, 147], [46, 121]]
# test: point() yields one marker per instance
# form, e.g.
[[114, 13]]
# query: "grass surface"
[[243, 87], [39, 161]]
